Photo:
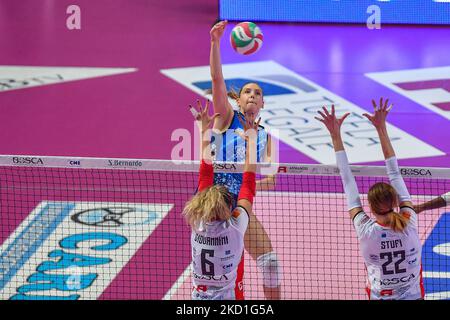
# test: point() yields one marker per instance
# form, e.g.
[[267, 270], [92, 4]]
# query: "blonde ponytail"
[[398, 222]]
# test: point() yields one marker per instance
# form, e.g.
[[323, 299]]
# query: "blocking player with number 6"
[[218, 226]]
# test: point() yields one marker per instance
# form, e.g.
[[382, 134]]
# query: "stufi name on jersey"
[[391, 244]]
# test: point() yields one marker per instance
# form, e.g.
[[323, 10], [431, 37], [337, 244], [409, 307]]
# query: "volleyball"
[[246, 38]]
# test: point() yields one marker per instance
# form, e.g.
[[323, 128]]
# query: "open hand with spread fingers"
[[201, 115], [378, 119], [249, 125], [330, 120]]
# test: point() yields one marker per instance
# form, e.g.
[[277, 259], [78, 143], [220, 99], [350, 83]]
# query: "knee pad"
[[271, 271]]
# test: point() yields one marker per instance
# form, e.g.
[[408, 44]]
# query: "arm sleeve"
[[446, 197], [409, 213], [240, 219], [350, 187], [363, 225], [206, 177], [396, 179], [248, 187]]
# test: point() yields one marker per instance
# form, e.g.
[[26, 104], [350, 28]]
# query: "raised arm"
[[219, 89], [435, 203], [248, 187], [203, 120], [333, 125], [378, 119]]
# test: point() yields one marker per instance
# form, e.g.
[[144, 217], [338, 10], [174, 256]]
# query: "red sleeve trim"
[[248, 187], [206, 178]]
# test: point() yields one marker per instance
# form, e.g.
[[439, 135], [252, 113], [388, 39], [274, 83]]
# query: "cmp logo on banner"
[[74, 250], [292, 102], [429, 87], [21, 77]]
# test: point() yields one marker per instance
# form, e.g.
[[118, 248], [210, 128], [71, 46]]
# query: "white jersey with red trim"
[[393, 259], [217, 258]]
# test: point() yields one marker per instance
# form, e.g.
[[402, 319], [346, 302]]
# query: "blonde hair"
[[213, 203], [381, 196]]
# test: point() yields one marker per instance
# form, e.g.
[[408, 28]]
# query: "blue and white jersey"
[[230, 147]]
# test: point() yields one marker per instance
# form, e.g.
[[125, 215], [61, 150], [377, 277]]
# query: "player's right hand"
[[378, 119], [330, 120], [217, 30]]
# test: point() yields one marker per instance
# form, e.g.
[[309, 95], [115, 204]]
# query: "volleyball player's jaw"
[[251, 108]]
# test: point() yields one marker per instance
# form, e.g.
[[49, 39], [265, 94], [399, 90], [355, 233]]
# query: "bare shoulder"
[[222, 123]]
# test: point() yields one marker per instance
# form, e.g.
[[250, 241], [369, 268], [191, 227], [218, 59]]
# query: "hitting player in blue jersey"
[[230, 147]]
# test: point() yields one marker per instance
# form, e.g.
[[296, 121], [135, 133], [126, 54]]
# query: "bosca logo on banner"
[[28, 160], [415, 172]]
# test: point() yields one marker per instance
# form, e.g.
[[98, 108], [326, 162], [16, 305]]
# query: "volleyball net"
[[91, 228]]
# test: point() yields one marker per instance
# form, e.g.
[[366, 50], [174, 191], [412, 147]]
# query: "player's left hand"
[[378, 119]]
